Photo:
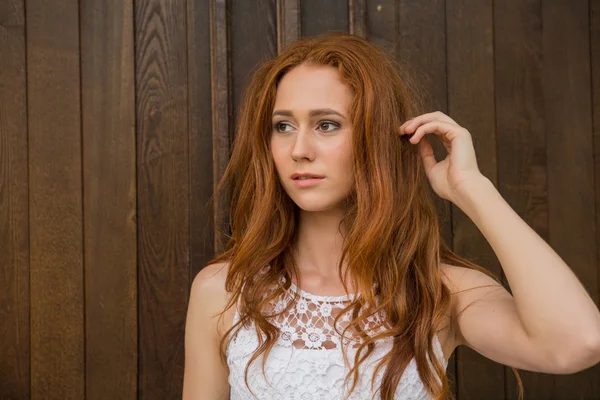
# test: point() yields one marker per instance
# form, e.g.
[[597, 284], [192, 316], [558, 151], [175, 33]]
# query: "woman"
[[335, 282]]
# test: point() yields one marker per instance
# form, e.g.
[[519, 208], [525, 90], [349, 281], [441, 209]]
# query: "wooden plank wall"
[[116, 121]]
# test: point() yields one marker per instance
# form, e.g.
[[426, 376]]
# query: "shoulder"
[[210, 281], [205, 374], [209, 296]]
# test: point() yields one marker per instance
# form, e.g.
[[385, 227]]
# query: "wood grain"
[[14, 206], [55, 208], [221, 117], [471, 105], [522, 159], [357, 10], [257, 20], [108, 116], [163, 195], [321, 16], [595, 71], [569, 144], [288, 22], [200, 128], [383, 25]]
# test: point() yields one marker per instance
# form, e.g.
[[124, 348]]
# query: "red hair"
[[392, 244]]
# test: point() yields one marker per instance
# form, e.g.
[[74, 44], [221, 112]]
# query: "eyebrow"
[[312, 113]]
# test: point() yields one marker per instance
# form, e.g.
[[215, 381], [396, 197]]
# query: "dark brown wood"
[[221, 118], [200, 127], [71, 233], [471, 104], [108, 115], [14, 219], [568, 120], [55, 208], [256, 20], [288, 22], [163, 195], [357, 10], [422, 50], [321, 16], [382, 25], [595, 70], [522, 161]]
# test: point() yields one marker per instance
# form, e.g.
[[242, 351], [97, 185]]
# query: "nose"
[[303, 146]]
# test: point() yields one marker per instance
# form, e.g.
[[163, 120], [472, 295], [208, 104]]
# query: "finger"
[[444, 131], [401, 128], [410, 125], [427, 155]]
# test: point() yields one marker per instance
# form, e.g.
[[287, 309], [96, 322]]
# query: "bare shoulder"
[[205, 375], [208, 289], [210, 281]]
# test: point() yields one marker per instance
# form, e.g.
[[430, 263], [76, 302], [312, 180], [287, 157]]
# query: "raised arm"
[[551, 324]]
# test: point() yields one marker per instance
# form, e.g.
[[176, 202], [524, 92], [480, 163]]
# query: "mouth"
[[306, 180], [305, 176]]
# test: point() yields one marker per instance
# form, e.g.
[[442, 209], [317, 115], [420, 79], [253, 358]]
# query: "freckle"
[[379, 7]]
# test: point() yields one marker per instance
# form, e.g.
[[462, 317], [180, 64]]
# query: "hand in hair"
[[459, 167]]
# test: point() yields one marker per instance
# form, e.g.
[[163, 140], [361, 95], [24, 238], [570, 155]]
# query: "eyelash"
[[335, 124]]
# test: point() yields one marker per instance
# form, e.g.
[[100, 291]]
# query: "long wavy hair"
[[392, 244]]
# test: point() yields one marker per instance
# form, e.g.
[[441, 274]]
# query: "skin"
[[535, 330]]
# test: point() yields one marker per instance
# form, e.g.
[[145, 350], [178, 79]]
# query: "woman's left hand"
[[451, 175]]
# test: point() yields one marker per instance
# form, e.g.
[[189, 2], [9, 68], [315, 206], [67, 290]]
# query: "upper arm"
[[488, 322], [205, 375]]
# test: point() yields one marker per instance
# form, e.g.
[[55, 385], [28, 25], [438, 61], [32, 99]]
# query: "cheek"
[[277, 154]]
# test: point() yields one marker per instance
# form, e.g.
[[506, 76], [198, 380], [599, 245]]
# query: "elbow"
[[577, 358]]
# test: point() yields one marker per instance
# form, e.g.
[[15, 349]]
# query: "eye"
[[332, 124], [277, 126]]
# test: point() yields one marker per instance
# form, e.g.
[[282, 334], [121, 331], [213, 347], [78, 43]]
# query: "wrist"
[[467, 194]]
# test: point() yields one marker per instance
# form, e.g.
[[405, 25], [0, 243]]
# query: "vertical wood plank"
[[53, 80], [163, 194], [108, 122], [201, 149], [321, 16], [422, 49], [221, 108], [253, 39], [382, 25], [471, 104], [288, 22], [357, 10], [568, 118], [595, 70], [522, 161], [14, 219]]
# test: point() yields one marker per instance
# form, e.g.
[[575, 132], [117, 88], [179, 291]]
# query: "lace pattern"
[[307, 362]]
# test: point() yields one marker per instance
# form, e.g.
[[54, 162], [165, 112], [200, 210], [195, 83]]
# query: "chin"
[[316, 205]]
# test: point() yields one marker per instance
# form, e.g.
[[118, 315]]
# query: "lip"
[[299, 174], [307, 182]]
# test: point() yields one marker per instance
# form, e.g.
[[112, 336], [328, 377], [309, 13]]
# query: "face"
[[312, 134]]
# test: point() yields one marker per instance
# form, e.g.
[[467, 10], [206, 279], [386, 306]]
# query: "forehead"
[[309, 87]]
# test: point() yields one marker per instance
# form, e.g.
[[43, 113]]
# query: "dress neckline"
[[321, 298]]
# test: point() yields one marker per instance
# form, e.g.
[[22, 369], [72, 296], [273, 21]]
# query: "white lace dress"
[[307, 362]]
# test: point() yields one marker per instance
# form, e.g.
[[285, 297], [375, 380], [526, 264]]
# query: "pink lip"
[[307, 182]]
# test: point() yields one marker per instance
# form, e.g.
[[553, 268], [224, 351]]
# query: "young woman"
[[335, 282]]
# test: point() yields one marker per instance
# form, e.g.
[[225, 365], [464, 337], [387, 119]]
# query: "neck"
[[318, 247]]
